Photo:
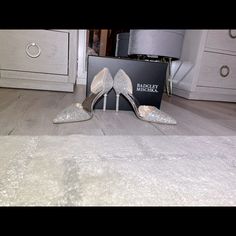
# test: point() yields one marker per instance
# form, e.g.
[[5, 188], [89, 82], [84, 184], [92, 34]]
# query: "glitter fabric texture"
[[73, 113], [103, 81], [123, 85], [152, 114]]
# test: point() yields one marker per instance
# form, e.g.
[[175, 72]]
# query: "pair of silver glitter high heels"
[[102, 83]]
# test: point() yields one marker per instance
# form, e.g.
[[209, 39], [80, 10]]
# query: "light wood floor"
[[30, 112]]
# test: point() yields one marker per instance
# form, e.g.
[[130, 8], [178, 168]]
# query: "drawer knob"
[[224, 71], [33, 47], [231, 34]]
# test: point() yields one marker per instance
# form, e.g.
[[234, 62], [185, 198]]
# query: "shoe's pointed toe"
[[153, 114], [73, 113], [102, 83]]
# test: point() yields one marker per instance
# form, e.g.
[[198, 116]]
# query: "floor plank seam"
[[11, 131], [103, 132]]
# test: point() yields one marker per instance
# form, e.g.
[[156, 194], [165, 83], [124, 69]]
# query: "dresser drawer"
[[42, 51], [218, 70], [221, 39]]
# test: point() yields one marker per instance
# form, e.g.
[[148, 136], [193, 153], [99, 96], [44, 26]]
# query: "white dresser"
[[213, 75], [38, 59]]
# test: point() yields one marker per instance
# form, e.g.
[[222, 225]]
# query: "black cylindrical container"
[[122, 44]]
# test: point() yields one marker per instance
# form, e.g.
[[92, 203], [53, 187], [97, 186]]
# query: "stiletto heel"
[[105, 102], [117, 101], [102, 83], [123, 85]]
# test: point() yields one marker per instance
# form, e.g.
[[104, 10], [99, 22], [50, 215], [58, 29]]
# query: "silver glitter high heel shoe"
[[102, 83], [123, 85]]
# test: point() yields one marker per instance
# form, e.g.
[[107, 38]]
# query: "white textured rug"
[[117, 170]]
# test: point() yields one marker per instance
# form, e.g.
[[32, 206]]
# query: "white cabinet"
[[213, 75], [38, 59]]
